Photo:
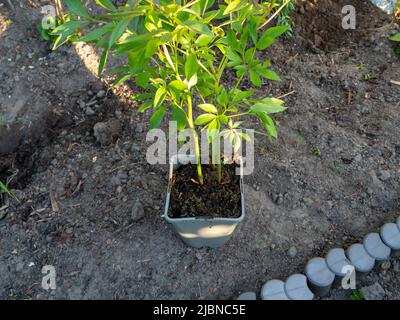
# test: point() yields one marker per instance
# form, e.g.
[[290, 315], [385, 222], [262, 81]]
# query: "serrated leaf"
[[210, 108]]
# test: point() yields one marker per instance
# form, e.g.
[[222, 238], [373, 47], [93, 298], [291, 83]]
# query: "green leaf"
[[198, 27], [268, 124], [118, 30], [255, 78], [232, 40], [102, 63], [107, 4], [77, 8], [210, 108], [233, 56], [96, 34], [4, 188], [264, 42], [157, 117], [203, 40], [204, 118], [180, 117], [193, 81], [61, 39], [223, 98], [144, 106], [122, 78], [213, 130], [235, 5], [249, 55], [237, 142], [142, 79], [268, 105], [245, 136], [275, 32], [178, 85], [239, 96], [395, 37], [253, 30], [191, 66], [133, 44], [68, 27], [159, 97], [269, 74]]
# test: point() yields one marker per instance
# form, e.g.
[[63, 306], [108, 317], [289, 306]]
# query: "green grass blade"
[[4, 188]]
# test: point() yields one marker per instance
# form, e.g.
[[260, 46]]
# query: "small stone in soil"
[[292, 252], [137, 211], [107, 132], [373, 292], [89, 111], [101, 94]]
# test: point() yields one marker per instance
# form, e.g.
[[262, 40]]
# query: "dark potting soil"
[[213, 199]]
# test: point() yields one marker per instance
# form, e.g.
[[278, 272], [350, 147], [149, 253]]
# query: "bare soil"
[[92, 208], [212, 199]]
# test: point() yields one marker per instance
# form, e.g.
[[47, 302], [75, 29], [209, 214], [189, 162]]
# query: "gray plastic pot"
[[201, 231]]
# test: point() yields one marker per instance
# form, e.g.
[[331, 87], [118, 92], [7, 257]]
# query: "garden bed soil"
[[212, 199], [91, 205]]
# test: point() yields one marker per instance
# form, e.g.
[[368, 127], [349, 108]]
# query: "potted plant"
[[178, 52]]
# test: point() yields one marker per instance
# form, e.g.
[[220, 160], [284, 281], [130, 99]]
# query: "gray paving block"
[[359, 258], [296, 288], [247, 296], [375, 247], [390, 235], [274, 290], [320, 277], [336, 260], [398, 223]]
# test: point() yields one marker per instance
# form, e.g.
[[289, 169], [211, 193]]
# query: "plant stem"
[[219, 165], [195, 139]]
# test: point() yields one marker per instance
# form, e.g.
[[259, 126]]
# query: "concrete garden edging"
[[322, 273]]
